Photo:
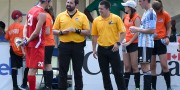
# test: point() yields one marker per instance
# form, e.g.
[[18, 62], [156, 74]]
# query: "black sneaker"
[[24, 87], [16, 88], [45, 88]]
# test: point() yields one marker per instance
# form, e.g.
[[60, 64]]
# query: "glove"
[[24, 42]]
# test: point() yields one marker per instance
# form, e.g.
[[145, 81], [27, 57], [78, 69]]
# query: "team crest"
[[17, 41], [77, 19], [160, 20]]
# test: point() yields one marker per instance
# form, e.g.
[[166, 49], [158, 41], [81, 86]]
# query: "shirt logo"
[[17, 42], [160, 20], [77, 19], [40, 64], [111, 22]]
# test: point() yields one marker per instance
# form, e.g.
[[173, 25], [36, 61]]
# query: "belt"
[[107, 47]]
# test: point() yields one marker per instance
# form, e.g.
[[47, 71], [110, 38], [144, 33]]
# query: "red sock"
[[32, 82]]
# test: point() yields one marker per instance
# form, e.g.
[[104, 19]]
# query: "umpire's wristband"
[[167, 37], [78, 31], [60, 33]]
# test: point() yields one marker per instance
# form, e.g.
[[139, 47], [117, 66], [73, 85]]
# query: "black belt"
[[72, 42], [107, 47]]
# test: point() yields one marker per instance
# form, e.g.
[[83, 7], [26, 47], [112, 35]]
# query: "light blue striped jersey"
[[148, 21]]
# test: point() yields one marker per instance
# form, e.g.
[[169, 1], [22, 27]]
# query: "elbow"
[[36, 34]]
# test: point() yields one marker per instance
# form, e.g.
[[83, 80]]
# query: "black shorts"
[[16, 61], [144, 54], [48, 54], [159, 48], [132, 47]]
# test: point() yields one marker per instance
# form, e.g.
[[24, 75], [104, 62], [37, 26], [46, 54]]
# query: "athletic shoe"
[[45, 88], [24, 87], [14, 88], [170, 88], [137, 89]]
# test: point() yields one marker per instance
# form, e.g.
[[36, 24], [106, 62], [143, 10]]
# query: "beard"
[[69, 8]]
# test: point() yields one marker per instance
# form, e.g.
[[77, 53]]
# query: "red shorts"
[[35, 57]]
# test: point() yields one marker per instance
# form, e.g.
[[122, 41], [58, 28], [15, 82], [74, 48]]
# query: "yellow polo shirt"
[[64, 21], [107, 29]]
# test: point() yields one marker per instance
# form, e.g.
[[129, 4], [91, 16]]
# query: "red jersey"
[[128, 23], [14, 32], [31, 25]]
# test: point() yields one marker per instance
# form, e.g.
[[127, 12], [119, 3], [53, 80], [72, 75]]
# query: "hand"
[[155, 35], [115, 48], [95, 54], [126, 44], [167, 41], [70, 29], [134, 29], [65, 32], [24, 42]]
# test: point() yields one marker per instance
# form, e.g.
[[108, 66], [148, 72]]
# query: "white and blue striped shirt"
[[148, 21]]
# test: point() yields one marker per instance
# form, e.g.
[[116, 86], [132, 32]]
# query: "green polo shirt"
[[116, 6]]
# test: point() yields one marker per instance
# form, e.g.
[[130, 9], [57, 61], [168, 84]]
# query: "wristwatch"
[[118, 43], [167, 37]]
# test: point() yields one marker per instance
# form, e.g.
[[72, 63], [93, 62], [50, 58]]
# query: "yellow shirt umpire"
[[78, 21], [108, 32], [71, 26]]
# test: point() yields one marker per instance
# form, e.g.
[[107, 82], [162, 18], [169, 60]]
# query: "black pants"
[[75, 52], [105, 57]]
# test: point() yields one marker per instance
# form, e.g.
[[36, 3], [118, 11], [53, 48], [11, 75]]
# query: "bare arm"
[[47, 30], [135, 29], [168, 32], [168, 28], [56, 32], [25, 30], [94, 42], [41, 21], [147, 31], [122, 36]]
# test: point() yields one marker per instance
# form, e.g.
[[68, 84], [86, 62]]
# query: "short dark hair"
[[106, 4], [76, 2], [42, 1], [148, 1], [2, 25], [157, 5]]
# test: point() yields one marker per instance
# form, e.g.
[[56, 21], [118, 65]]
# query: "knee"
[[32, 71], [165, 68], [153, 66], [135, 68], [48, 67], [127, 68]]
